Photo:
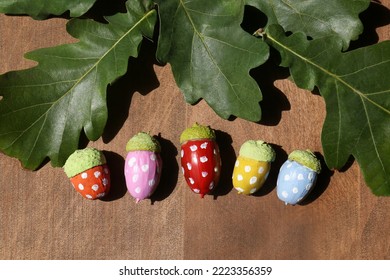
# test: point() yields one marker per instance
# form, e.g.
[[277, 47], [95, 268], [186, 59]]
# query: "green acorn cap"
[[306, 158], [197, 131], [143, 142], [257, 150], [82, 160]]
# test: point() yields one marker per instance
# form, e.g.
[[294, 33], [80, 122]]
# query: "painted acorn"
[[200, 159], [252, 166], [297, 176], [88, 172], [143, 165]]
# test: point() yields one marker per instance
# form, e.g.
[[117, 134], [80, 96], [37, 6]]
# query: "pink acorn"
[[143, 165]]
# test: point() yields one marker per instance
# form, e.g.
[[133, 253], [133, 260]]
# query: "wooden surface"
[[42, 217]]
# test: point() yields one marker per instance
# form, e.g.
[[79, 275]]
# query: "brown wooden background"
[[42, 217]]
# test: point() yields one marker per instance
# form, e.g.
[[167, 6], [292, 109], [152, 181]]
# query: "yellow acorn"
[[252, 166]]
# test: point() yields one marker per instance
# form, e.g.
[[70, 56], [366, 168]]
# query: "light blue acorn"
[[297, 176]]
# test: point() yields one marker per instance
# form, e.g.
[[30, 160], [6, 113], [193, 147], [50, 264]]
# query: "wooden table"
[[42, 217]]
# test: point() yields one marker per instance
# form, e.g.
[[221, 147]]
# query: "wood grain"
[[42, 217]]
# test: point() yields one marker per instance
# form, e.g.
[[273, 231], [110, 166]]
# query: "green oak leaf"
[[211, 55], [40, 9], [43, 109], [357, 95], [316, 18]]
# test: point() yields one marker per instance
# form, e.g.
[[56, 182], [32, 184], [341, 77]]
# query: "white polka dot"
[[295, 190], [300, 177], [253, 180], [89, 196], [215, 151], [203, 159], [237, 163], [131, 162], [97, 174], [189, 166], [101, 194], [196, 190], [286, 177], [151, 182], [240, 190], [145, 168], [84, 175], [182, 153], [216, 169], [204, 145], [261, 170], [211, 186], [253, 190], [191, 181], [299, 199], [95, 187], [308, 186], [193, 148], [137, 190], [105, 181], [81, 187], [284, 194], [311, 175], [247, 168], [240, 177], [153, 157], [135, 178], [204, 174], [289, 165], [182, 170]]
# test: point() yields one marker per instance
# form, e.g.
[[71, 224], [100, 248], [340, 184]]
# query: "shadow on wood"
[[270, 183], [118, 184], [228, 158], [170, 170], [140, 77]]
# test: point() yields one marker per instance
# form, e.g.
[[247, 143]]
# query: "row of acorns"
[[200, 164]]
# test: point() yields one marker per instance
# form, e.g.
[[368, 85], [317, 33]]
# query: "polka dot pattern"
[[294, 182], [142, 173], [93, 183], [201, 165], [203, 159], [249, 175]]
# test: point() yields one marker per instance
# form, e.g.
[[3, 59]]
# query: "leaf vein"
[[209, 52], [333, 75]]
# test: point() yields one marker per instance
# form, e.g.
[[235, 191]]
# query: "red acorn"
[[200, 158], [88, 172]]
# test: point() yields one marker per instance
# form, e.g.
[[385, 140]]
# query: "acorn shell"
[[142, 173], [249, 175], [295, 181], [201, 165], [93, 183]]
